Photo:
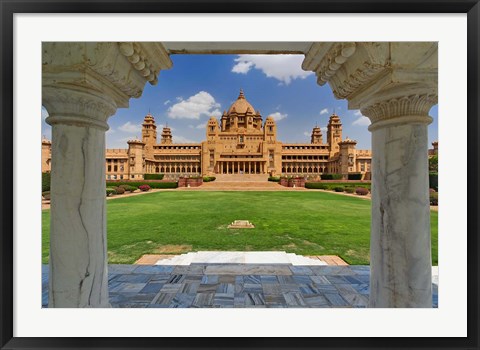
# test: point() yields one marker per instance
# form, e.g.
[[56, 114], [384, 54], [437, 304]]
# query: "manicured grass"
[[171, 222]]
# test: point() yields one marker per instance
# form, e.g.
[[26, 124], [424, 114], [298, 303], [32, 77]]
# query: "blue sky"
[[199, 86]]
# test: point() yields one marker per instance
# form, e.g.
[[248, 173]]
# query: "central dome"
[[241, 105]]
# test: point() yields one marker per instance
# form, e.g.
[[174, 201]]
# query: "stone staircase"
[[218, 257], [241, 182]]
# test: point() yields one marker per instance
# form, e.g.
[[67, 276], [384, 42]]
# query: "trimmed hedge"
[[349, 189], [45, 182], [361, 191], [331, 176], [144, 188], [274, 178], [119, 190], [128, 188], [209, 178], [316, 185], [339, 189], [433, 198], [433, 180], [153, 176], [331, 186], [354, 176], [110, 191], [151, 184], [46, 195]]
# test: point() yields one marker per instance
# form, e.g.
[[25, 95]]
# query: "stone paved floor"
[[237, 286]]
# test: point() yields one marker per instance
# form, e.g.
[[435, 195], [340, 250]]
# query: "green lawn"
[[171, 222]]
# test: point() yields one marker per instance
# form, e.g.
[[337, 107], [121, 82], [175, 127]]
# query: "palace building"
[[239, 143]]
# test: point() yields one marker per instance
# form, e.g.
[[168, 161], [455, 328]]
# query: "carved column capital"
[[86, 82], [400, 110]]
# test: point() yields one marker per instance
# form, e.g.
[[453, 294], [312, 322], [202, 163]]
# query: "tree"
[[433, 164]]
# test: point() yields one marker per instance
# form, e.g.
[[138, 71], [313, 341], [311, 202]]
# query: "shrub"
[[349, 189], [274, 178], [433, 198], [361, 191], [137, 184], [316, 185], [432, 190], [128, 188], [144, 188], [110, 191], [45, 182], [46, 195], [354, 176], [331, 176], [153, 176], [119, 190], [209, 178], [339, 189], [433, 180]]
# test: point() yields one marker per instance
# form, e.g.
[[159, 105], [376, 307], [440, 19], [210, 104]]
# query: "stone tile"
[[336, 279], [247, 270], [294, 299], [320, 280], [227, 279], [355, 300], [203, 299], [326, 288], [192, 270], [182, 300], [121, 269], [271, 289], [193, 278], [163, 298], [152, 287], [239, 300], [189, 288], [301, 270], [274, 299], [154, 269], [223, 299], [129, 287], [336, 299], [302, 279], [268, 279], [353, 279], [315, 300], [209, 279], [308, 289], [254, 299], [160, 278], [286, 280], [346, 288], [171, 287], [174, 279], [226, 288], [294, 288], [248, 288], [133, 278], [202, 288], [362, 288], [251, 279]]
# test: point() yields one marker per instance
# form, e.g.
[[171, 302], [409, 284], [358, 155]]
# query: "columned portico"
[[84, 84], [395, 85]]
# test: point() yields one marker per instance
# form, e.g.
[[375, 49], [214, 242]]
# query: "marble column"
[[400, 246]]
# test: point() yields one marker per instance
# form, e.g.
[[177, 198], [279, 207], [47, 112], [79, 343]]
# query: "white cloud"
[[129, 127], [306, 133], [110, 131], [361, 120], [192, 108], [278, 116], [166, 102], [324, 111], [201, 126], [324, 129], [284, 68], [242, 67]]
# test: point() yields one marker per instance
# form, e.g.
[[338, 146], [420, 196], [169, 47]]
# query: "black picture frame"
[[10, 7]]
